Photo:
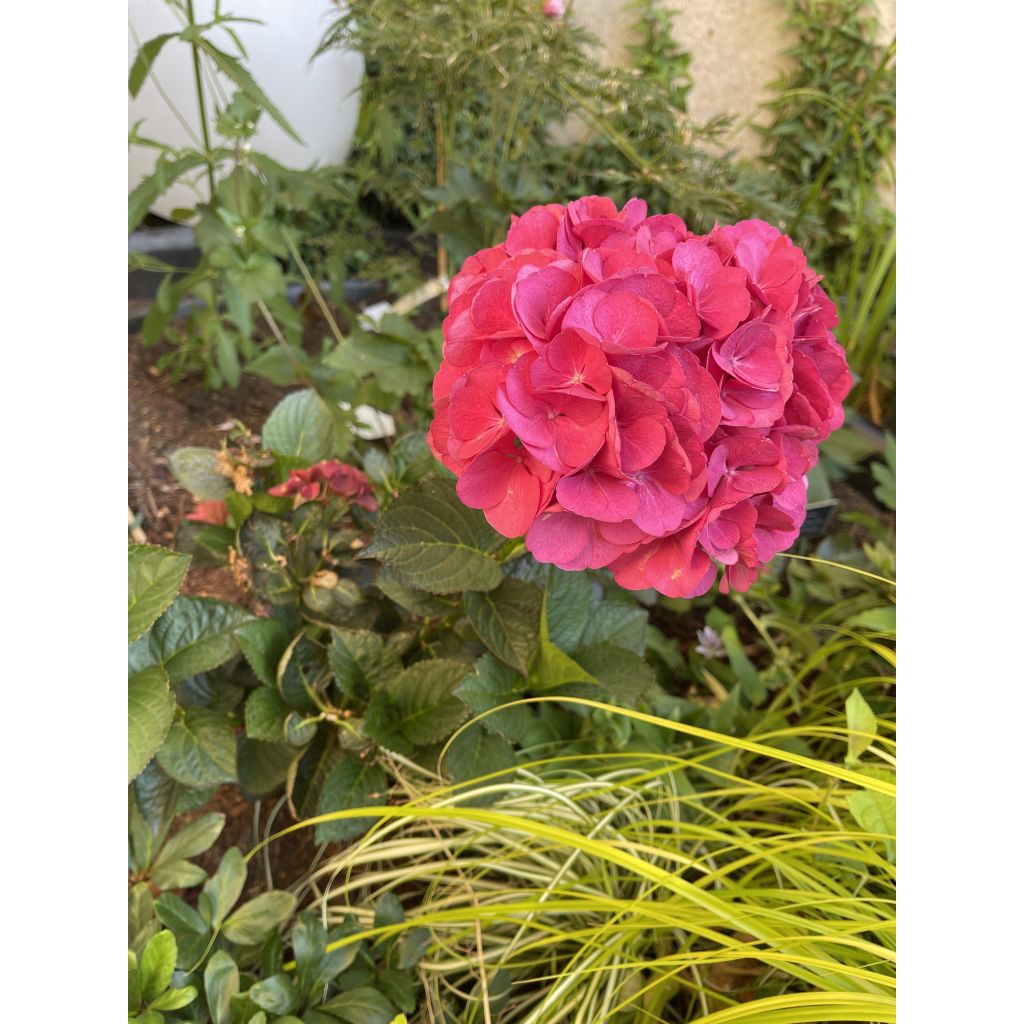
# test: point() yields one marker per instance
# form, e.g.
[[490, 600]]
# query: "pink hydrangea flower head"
[[627, 394]]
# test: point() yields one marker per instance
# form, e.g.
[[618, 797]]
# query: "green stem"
[[201, 100]]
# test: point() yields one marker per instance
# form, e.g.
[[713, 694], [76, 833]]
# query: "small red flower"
[[213, 513], [323, 477]]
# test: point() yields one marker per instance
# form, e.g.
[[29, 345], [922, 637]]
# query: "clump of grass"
[[731, 881]]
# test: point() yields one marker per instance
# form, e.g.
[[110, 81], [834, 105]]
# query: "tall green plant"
[[832, 132]]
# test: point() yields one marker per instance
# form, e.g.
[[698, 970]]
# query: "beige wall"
[[736, 46]]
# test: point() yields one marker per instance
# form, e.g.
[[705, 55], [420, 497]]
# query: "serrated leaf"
[[155, 795], [255, 920], [435, 543], [221, 982], [240, 75], [567, 606], [359, 660], [157, 964], [300, 426], [625, 675], [263, 642], [262, 767], [350, 784], [147, 53], [423, 705], [861, 719], [194, 838], [200, 751], [492, 685], [154, 577], [552, 667], [198, 471], [419, 602], [150, 714], [194, 635], [363, 1005], [614, 622], [265, 714], [507, 619]]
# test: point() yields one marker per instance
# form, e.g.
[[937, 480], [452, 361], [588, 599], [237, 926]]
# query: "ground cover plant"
[[391, 759]]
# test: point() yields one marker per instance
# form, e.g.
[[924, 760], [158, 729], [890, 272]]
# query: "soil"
[[164, 415]]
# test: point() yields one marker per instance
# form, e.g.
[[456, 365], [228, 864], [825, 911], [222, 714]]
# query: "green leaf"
[[275, 994], [155, 795], [194, 635], [398, 987], [150, 713], [359, 659], [154, 577], [178, 874], [350, 784], [507, 619], [194, 838], [362, 1005], [859, 718], [412, 946], [221, 982], [300, 426], [174, 998], [875, 812], [265, 713], [200, 751], [422, 704], [435, 543], [492, 685], [419, 602], [875, 620], [237, 72], [749, 678], [134, 984], [223, 888], [147, 53], [167, 171], [412, 457], [262, 767], [567, 607], [176, 914], [614, 622], [477, 752], [623, 674], [255, 920], [553, 667], [314, 967], [198, 471], [257, 278], [157, 964], [263, 642]]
